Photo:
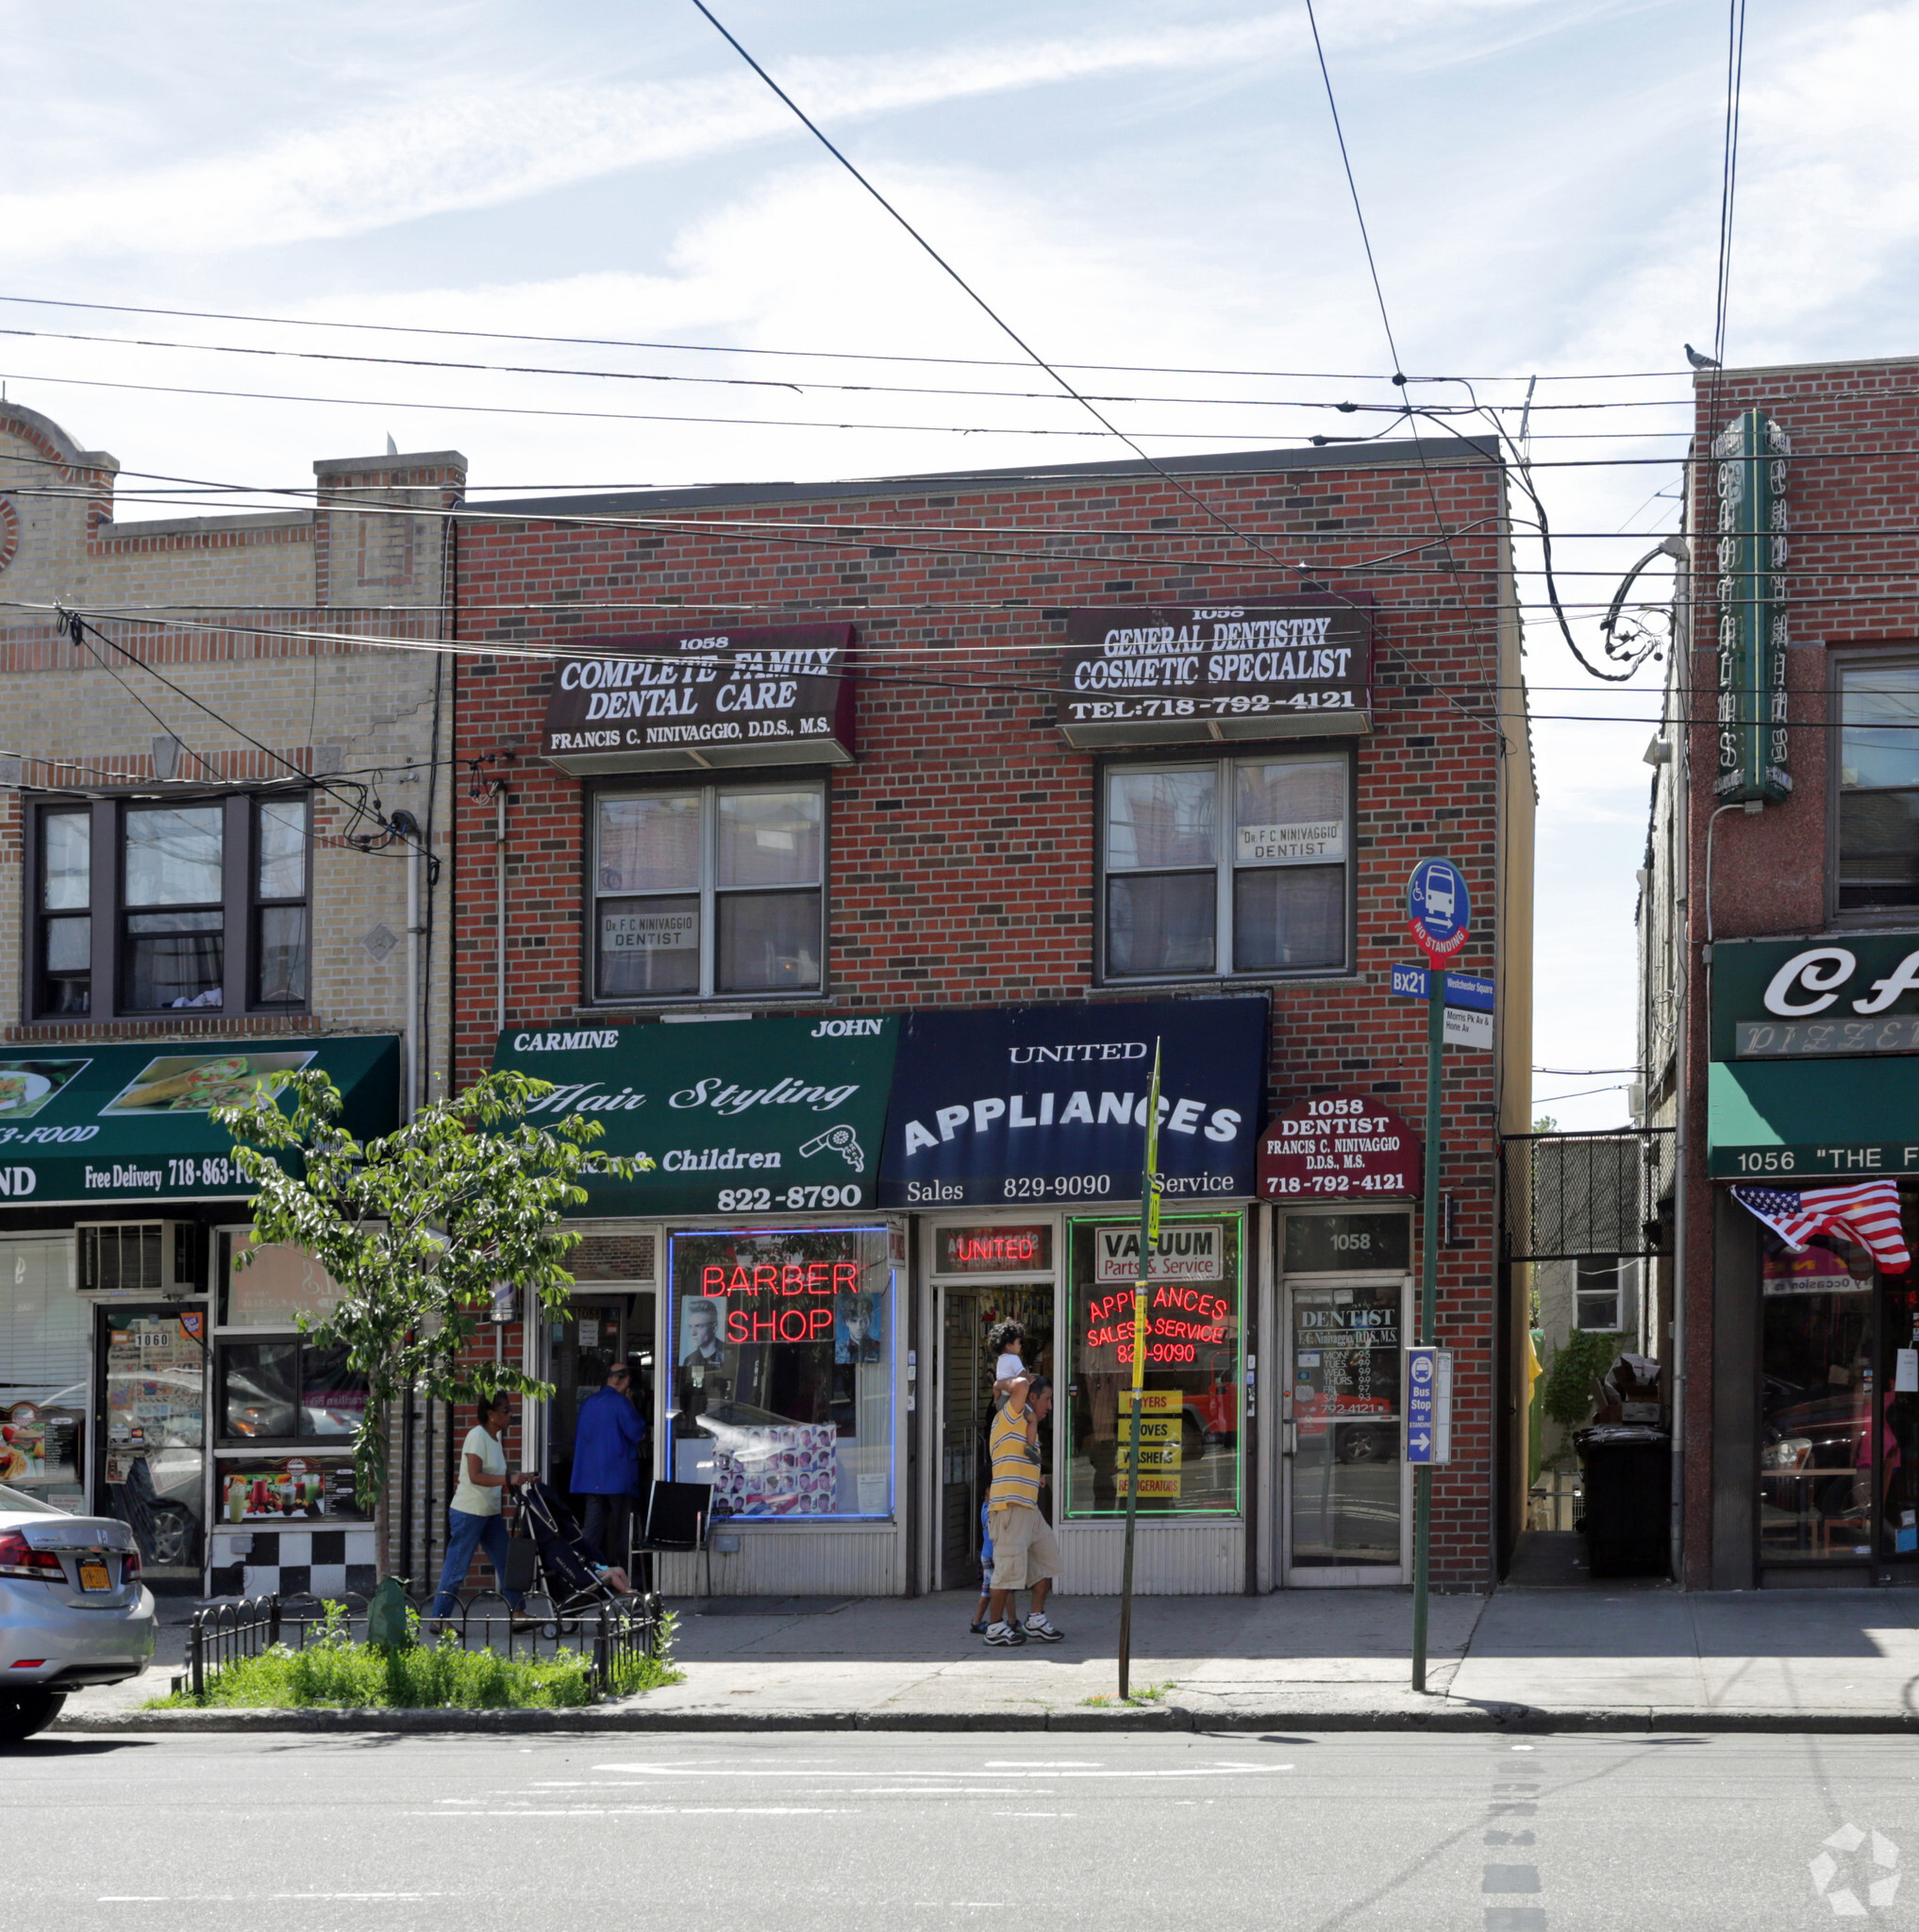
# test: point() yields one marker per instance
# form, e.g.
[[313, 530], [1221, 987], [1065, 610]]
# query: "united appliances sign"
[[672, 701], [1048, 1104], [1197, 674]]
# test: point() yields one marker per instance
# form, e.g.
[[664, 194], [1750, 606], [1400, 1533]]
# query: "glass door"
[[587, 1340], [1344, 1491], [968, 1318], [152, 1443]]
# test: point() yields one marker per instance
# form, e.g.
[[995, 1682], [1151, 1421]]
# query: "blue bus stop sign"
[[1438, 909]]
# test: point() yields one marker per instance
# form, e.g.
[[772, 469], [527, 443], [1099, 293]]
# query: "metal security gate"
[[1570, 1196]]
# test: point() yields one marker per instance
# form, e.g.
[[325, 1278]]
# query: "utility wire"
[[810, 355]]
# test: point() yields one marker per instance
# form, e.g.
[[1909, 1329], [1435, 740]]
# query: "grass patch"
[[1145, 1694], [335, 1673]]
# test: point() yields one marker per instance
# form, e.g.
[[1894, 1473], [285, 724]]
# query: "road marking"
[[1042, 1764], [1182, 1771]]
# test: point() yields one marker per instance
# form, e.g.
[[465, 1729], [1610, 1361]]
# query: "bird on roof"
[[1697, 360]]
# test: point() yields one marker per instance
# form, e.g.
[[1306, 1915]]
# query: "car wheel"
[[26, 1711], [171, 1537], [1360, 1446], [1192, 1440]]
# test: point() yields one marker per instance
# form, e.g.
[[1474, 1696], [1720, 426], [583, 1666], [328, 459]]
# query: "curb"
[[1169, 1719]]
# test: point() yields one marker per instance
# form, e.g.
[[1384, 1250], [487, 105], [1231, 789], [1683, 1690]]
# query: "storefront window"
[[43, 1370], [782, 1348], [286, 1490], [272, 1286], [1817, 1400], [279, 1391], [1189, 1428], [154, 1415]]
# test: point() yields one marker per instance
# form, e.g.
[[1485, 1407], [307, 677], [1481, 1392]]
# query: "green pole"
[[1149, 1232], [1429, 1298]]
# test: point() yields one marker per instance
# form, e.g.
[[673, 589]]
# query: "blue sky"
[[1138, 184]]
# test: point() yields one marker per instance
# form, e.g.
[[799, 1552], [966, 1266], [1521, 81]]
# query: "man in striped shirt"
[[1024, 1556]]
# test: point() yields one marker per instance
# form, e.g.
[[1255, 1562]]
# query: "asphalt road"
[[803, 1831]]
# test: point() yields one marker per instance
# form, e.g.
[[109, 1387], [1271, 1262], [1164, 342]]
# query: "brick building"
[[203, 882], [845, 847], [1780, 936]]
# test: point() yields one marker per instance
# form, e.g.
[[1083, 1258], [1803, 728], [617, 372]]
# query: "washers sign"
[[1429, 1405], [1438, 909], [1462, 989]]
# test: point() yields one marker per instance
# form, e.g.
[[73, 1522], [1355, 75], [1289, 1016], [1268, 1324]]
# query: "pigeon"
[[1697, 360]]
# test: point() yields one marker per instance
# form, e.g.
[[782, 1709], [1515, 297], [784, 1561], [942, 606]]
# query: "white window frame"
[[709, 791], [1224, 865]]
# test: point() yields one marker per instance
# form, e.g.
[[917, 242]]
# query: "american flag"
[[1868, 1213]]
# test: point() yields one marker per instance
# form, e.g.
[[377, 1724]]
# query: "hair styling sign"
[[1048, 1104]]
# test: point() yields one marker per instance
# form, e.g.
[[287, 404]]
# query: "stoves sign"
[[1336, 1147], [671, 701], [1196, 676]]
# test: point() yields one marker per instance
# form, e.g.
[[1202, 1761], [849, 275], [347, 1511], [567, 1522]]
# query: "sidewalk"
[[1629, 1657]]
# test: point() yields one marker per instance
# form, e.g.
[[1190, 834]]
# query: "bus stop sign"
[[1438, 909]]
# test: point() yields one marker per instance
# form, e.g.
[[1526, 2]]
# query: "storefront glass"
[[1347, 1472], [42, 1371], [1817, 1400], [1190, 1425], [153, 1408], [783, 1347]]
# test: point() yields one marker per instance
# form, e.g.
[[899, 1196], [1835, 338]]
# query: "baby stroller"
[[571, 1572]]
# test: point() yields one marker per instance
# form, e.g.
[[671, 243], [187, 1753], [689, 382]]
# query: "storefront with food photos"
[[1813, 1151], [749, 1281], [1016, 1136], [141, 1375]]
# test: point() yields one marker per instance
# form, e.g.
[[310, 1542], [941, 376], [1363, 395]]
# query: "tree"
[[417, 1229]]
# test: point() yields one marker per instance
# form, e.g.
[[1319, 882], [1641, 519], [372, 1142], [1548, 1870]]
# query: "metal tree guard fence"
[[1568, 1195], [609, 1637]]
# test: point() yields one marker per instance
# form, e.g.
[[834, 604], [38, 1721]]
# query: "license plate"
[[93, 1574]]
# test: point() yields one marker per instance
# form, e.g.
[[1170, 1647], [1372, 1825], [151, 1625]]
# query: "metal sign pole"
[[1149, 1233], [1439, 910], [1429, 1295]]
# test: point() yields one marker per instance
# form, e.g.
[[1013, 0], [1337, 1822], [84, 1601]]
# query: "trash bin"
[[1627, 1472]]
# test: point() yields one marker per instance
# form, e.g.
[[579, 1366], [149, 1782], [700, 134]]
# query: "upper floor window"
[[716, 889], [1599, 1293], [1235, 865], [146, 906], [1878, 786]]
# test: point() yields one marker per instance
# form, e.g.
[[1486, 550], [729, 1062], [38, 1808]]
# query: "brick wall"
[[1852, 505], [962, 842]]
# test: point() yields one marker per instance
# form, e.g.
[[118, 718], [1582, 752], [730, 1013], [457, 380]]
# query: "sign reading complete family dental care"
[[1048, 1104], [742, 1117], [673, 701], [1197, 673]]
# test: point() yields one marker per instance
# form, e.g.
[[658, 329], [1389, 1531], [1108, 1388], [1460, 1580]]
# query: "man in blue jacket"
[[606, 1462]]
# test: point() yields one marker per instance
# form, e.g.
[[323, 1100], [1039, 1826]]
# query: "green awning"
[[1813, 1118], [743, 1116], [85, 1125]]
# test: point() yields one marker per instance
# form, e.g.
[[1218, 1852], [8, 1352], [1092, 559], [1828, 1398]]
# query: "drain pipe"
[[500, 902]]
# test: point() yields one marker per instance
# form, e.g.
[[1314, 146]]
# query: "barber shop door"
[[586, 1342]]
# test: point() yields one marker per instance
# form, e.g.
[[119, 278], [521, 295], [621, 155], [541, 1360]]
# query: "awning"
[[86, 1126], [997, 1105], [1813, 1117], [743, 1116]]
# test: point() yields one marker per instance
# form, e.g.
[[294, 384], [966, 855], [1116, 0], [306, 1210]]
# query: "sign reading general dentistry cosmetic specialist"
[[752, 1117], [673, 701], [1048, 1104], [1197, 674]]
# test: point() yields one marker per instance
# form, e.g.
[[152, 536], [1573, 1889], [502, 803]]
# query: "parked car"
[[72, 1610]]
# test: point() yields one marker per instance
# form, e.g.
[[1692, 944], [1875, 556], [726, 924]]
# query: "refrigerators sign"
[[671, 702], [1048, 1104], [1136, 675]]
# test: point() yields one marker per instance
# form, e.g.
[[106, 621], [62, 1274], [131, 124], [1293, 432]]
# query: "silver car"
[[72, 1610]]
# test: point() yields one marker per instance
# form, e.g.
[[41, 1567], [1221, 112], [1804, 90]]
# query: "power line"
[[797, 387], [810, 355]]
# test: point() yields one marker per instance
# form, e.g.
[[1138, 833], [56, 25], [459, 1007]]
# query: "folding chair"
[[678, 1522]]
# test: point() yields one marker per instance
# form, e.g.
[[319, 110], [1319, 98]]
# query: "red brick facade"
[[962, 841], [1849, 576]]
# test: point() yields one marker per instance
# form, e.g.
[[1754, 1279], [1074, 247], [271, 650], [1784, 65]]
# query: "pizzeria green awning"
[[85, 1125], [1818, 1118]]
